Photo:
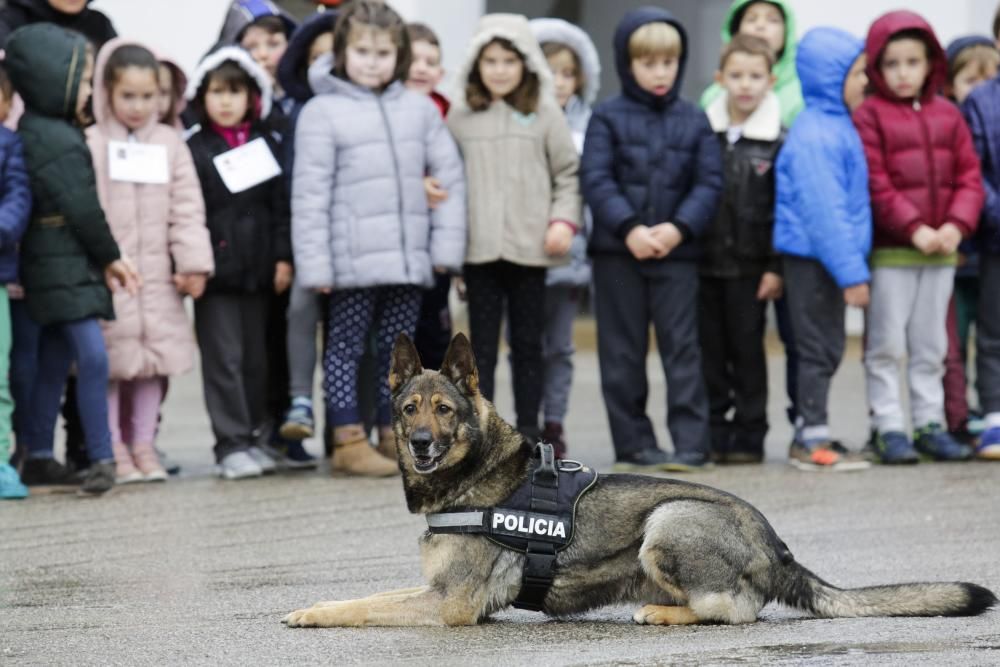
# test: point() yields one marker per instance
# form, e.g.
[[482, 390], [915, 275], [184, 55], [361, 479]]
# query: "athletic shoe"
[[239, 465], [935, 444], [100, 478], [11, 487], [47, 472], [894, 448], [290, 454], [825, 457], [657, 460], [298, 424], [171, 466], [989, 445], [261, 458]]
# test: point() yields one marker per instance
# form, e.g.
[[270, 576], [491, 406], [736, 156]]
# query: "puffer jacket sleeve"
[[281, 213], [817, 166], [190, 245], [69, 180], [564, 165], [448, 222], [312, 190], [967, 200], [697, 210], [893, 213], [608, 204], [15, 193], [980, 126]]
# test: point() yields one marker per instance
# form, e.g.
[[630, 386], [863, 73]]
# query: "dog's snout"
[[421, 439]]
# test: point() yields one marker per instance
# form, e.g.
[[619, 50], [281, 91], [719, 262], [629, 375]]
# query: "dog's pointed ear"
[[405, 363], [459, 365]]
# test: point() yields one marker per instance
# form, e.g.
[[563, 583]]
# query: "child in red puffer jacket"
[[926, 194]]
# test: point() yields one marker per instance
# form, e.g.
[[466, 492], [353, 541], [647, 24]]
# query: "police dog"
[[684, 553]]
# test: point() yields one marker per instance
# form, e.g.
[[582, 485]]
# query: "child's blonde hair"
[[985, 56], [655, 39]]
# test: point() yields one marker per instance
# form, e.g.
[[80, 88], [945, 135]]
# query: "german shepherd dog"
[[684, 553]]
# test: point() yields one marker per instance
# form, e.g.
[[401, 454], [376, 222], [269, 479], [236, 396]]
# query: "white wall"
[[949, 18]]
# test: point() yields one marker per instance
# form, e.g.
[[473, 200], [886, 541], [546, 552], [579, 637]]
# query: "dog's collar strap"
[[537, 520]]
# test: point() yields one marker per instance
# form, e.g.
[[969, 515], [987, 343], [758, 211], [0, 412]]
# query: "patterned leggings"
[[388, 311]]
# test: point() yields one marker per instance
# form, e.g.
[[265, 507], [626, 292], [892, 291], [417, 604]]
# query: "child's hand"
[[668, 234], [441, 270], [643, 245], [460, 289], [435, 193], [949, 236], [770, 288], [558, 238], [857, 295], [15, 291], [121, 272], [282, 277], [926, 240], [191, 283], [325, 291]]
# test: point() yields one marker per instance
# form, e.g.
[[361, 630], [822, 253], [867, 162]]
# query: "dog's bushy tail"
[[800, 588]]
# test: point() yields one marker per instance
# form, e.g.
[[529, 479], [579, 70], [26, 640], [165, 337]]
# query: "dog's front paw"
[[327, 615]]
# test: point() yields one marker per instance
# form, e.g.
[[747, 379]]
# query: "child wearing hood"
[[982, 111], [576, 74], [926, 194], [69, 256], [160, 224], [361, 227], [823, 228], [524, 201], [311, 43], [651, 173], [247, 213]]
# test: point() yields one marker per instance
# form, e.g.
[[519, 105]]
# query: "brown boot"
[[387, 442], [353, 455]]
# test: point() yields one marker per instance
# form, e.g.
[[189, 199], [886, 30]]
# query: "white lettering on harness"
[[529, 525]]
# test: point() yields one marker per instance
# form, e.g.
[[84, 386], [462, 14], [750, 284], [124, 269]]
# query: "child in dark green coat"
[[69, 258]]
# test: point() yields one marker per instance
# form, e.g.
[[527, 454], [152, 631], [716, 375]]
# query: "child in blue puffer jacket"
[[823, 226], [15, 207]]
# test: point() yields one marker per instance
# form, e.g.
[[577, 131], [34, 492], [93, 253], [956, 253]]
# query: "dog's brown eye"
[[443, 409], [409, 409]]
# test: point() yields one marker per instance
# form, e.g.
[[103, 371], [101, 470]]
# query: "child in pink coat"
[[149, 190]]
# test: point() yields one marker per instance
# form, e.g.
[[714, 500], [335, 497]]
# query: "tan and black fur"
[[684, 553]]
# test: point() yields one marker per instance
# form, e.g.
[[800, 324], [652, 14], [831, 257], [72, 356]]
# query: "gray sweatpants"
[[561, 306], [303, 317], [907, 320]]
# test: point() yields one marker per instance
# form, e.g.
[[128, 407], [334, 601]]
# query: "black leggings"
[[523, 287]]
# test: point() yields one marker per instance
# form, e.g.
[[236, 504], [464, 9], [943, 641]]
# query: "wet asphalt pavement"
[[200, 571]]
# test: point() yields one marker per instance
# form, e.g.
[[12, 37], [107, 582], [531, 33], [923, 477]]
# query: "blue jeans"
[[59, 346], [23, 369]]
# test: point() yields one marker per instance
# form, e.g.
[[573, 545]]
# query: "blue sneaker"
[[299, 422], [989, 445], [290, 454], [894, 447], [11, 487], [934, 443]]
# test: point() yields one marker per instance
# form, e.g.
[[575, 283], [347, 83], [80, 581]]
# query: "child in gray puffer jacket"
[[576, 74], [361, 228]]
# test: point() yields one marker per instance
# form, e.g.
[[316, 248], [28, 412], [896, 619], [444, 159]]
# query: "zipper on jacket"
[[932, 170], [399, 183]]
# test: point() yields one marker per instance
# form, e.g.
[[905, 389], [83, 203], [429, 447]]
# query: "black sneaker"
[[290, 454], [657, 460], [47, 472], [99, 480], [171, 466]]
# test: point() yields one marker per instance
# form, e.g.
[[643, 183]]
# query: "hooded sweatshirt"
[[577, 110], [822, 209], [249, 229], [649, 158], [90, 23], [922, 166], [161, 228], [787, 87], [244, 12], [982, 111], [521, 169], [359, 210], [68, 242]]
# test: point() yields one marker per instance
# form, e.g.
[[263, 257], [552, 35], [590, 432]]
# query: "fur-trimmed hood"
[[564, 32], [516, 29], [764, 124], [246, 62]]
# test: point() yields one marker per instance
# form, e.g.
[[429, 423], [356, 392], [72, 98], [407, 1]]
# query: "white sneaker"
[[261, 458], [239, 465]]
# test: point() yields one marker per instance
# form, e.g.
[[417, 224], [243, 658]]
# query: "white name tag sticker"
[[249, 165], [138, 163]]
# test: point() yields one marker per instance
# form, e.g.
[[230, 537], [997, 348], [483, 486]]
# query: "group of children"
[[323, 181]]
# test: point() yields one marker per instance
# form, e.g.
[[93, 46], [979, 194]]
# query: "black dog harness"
[[537, 520]]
